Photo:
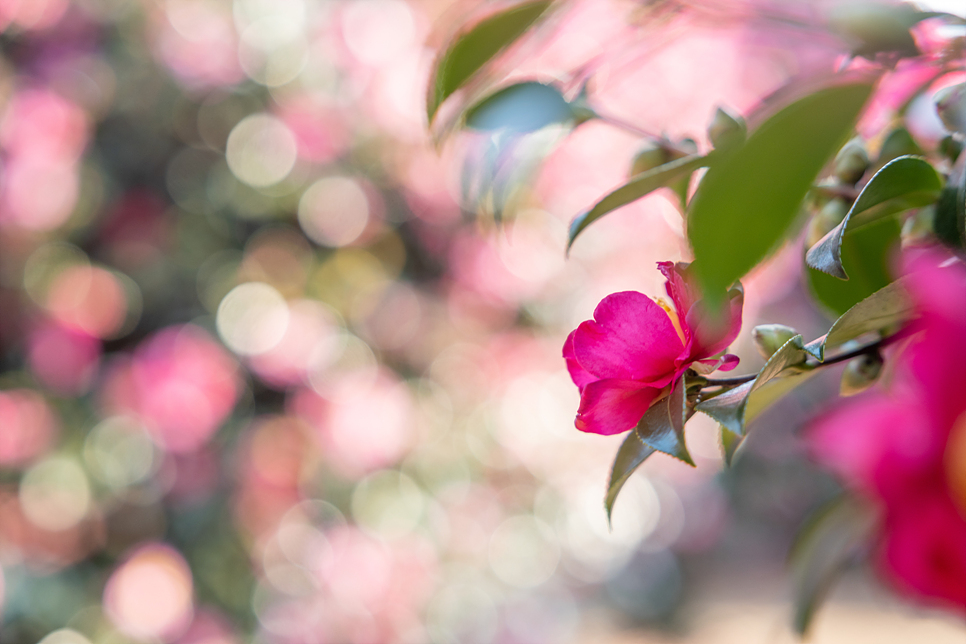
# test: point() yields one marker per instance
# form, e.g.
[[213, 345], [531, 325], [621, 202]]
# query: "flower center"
[[675, 320], [954, 463]]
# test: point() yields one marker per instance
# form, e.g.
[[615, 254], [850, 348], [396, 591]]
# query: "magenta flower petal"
[[924, 549], [613, 406], [678, 287], [630, 338], [578, 374], [713, 334]]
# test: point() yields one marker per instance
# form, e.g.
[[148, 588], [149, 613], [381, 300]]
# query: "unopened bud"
[[861, 373], [951, 107], [830, 216], [769, 338], [726, 130], [649, 158], [919, 229], [851, 162], [950, 148]]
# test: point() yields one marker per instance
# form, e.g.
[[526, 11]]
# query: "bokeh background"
[[266, 379]]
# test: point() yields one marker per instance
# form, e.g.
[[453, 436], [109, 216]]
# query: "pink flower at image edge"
[[906, 448], [635, 349]]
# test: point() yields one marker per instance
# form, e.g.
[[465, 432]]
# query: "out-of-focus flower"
[[906, 449], [636, 348], [28, 426], [180, 383]]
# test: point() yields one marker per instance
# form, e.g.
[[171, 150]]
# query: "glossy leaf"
[[469, 52], [522, 107], [887, 307], [748, 200], [867, 255], [662, 427], [633, 451], [831, 540], [642, 184], [736, 408], [903, 183]]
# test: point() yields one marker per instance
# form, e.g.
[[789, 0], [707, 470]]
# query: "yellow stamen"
[[954, 463], [675, 320]]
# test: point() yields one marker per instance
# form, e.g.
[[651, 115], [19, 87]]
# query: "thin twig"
[[842, 357]]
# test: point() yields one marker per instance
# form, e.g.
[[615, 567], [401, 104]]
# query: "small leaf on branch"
[[642, 184], [662, 427], [735, 408], [748, 200], [885, 308], [903, 183], [829, 541], [469, 52], [633, 451], [867, 253]]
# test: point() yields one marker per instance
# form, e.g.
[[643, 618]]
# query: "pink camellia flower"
[[906, 449], [635, 349]]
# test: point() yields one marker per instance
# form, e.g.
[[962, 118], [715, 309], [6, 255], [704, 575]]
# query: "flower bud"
[[726, 130], [919, 229], [950, 148], [769, 338], [649, 158], [951, 107], [861, 373], [830, 216], [851, 162]]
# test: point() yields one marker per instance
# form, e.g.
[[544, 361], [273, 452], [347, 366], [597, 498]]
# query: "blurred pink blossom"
[[28, 426], [635, 349], [179, 382], [42, 135], [63, 359], [906, 449]]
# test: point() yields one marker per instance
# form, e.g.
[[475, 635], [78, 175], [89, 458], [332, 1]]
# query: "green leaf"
[[748, 199], [886, 307], [469, 52], [830, 540], [730, 442], [633, 451], [662, 427], [522, 107], [950, 222], [735, 408], [903, 183], [639, 186], [866, 253]]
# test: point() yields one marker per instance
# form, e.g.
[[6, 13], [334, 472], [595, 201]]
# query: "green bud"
[[726, 130], [951, 107], [827, 218], [898, 143], [769, 338], [851, 162], [861, 373], [649, 158], [950, 148], [919, 228]]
